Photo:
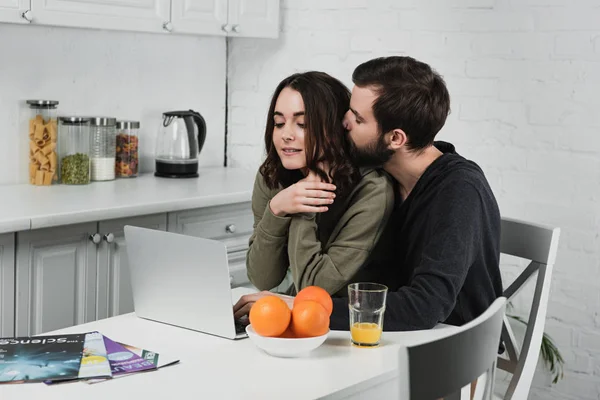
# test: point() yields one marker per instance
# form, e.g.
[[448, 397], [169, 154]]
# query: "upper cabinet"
[[253, 18], [204, 17], [132, 15], [232, 18], [14, 11]]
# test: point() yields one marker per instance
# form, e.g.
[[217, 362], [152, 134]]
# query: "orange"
[[288, 334], [317, 294], [270, 316], [309, 319]]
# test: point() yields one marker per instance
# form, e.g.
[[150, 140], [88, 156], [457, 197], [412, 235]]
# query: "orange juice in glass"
[[366, 302]]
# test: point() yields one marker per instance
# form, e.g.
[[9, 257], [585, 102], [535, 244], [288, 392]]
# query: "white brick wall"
[[524, 78]]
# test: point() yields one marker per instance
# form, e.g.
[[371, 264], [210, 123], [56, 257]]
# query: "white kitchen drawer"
[[231, 224], [237, 269]]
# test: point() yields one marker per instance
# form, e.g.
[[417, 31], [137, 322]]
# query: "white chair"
[[538, 244], [445, 368]]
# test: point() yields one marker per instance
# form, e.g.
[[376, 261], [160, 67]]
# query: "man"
[[447, 223], [446, 226]]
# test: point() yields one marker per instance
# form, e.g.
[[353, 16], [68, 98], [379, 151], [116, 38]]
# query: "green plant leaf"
[[551, 355]]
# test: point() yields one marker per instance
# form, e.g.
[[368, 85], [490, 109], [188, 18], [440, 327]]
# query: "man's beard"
[[374, 154]]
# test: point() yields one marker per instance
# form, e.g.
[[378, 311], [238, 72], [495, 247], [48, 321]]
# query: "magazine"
[[160, 360], [39, 358], [157, 360], [123, 361], [94, 361]]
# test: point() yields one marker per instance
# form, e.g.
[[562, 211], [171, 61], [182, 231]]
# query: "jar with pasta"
[[75, 165], [127, 165], [43, 142]]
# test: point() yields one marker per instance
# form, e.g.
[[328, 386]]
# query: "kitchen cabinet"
[[114, 296], [7, 285], [231, 224], [73, 274], [130, 15], [253, 18], [204, 17], [13, 10], [55, 278], [233, 18]]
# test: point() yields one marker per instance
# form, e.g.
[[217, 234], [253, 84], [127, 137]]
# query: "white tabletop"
[[217, 368], [31, 207]]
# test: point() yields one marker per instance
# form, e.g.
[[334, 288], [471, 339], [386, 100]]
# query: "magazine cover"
[[123, 361], [39, 358], [94, 361], [159, 360]]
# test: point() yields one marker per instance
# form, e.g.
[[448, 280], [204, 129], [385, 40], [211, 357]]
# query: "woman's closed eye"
[[300, 125], [279, 125]]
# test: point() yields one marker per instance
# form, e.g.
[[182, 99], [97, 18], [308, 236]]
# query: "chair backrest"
[[443, 367], [538, 244]]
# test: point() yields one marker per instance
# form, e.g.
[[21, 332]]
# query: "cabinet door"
[[231, 224], [114, 285], [56, 278], [206, 17], [7, 285], [131, 15], [12, 11], [254, 18]]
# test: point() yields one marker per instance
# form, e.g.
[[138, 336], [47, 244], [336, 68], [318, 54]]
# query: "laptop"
[[182, 281]]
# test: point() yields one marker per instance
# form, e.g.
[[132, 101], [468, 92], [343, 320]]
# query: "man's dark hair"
[[410, 96]]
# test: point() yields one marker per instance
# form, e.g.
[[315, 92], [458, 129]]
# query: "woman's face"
[[288, 132]]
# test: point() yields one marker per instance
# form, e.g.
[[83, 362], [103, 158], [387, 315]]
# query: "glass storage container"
[[43, 138], [103, 148], [127, 165], [74, 135]]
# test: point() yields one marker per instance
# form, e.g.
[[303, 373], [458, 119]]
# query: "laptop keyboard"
[[239, 327]]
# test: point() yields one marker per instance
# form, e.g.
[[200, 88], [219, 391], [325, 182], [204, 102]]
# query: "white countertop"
[[32, 207], [215, 368]]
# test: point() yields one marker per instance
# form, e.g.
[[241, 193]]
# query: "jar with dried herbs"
[[75, 163]]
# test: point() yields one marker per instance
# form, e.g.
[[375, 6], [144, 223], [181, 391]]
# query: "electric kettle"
[[180, 140]]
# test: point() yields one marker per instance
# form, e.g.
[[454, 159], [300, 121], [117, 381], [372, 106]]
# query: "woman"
[[314, 212]]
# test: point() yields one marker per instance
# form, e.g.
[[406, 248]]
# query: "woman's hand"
[[309, 195], [244, 304]]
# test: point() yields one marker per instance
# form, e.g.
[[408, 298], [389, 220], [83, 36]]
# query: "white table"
[[217, 368]]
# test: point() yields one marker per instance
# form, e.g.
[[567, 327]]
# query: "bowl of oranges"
[[283, 332]]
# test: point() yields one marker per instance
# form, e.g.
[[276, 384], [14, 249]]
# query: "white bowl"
[[285, 347]]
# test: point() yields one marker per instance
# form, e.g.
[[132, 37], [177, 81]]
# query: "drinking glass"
[[367, 305]]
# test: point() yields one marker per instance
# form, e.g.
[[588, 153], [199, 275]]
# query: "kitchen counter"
[[27, 207]]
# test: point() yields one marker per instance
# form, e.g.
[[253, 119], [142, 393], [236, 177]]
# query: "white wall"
[[524, 78], [121, 74]]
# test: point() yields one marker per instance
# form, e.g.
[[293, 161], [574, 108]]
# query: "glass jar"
[[74, 135], [43, 138], [103, 148], [127, 163]]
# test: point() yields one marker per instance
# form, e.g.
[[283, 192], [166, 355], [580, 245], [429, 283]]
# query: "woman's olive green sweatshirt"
[[323, 249]]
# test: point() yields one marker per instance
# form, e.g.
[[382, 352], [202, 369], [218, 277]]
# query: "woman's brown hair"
[[326, 101]]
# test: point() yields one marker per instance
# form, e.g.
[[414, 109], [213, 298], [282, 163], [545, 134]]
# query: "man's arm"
[[449, 251], [332, 267]]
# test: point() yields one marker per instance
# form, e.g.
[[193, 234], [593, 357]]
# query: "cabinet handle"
[[230, 280], [96, 238], [230, 228], [167, 26], [109, 238], [27, 16], [225, 28], [236, 28]]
